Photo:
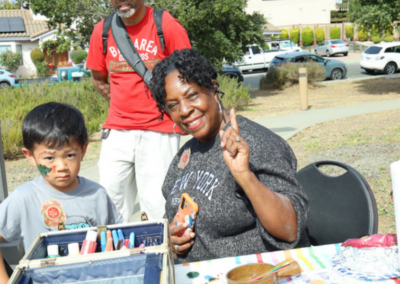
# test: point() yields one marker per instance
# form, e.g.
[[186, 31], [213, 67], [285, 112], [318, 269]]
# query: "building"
[[21, 31], [294, 12]]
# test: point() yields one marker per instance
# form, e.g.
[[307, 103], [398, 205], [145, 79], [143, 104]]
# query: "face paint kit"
[[124, 253]]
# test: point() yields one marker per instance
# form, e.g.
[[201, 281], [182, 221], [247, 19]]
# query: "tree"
[[378, 13], [220, 29]]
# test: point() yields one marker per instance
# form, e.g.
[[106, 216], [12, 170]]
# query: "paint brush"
[[271, 272]]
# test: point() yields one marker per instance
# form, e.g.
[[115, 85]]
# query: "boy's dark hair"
[[54, 124], [193, 67]]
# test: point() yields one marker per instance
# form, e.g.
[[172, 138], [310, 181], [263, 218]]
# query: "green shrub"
[[376, 39], [349, 31], [340, 15], [335, 33], [315, 72], [307, 36], [388, 30], [362, 35], [236, 96], [334, 15], [276, 78], [374, 32], [389, 39], [37, 56], [78, 56], [16, 103], [273, 37], [295, 35], [288, 74], [10, 60], [320, 34], [284, 34], [266, 46], [41, 69]]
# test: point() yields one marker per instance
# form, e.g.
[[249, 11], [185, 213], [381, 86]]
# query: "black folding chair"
[[341, 207]]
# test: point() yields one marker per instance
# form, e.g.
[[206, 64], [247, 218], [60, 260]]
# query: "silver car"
[[332, 47]]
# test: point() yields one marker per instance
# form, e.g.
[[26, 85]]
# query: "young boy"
[[55, 141]]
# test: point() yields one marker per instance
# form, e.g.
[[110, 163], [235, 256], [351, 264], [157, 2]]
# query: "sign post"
[[303, 88]]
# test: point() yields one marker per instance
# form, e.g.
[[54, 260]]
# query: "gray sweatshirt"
[[226, 224]]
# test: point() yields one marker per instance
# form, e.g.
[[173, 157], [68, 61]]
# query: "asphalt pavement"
[[354, 71]]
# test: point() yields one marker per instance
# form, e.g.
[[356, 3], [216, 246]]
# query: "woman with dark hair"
[[241, 175]]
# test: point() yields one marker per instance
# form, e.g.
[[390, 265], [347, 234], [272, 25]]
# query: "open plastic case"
[[151, 264]]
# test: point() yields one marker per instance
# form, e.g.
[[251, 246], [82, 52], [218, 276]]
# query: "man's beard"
[[126, 14]]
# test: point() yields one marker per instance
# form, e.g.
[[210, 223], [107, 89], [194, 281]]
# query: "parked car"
[[256, 58], [383, 56], [74, 74], [334, 69], [332, 47], [232, 72], [7, 79], [286, 45]]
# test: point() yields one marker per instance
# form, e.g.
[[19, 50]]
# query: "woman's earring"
[[220, 108], [173, 129]]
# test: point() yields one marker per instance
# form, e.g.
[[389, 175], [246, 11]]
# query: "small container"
[[52, 251], [89, 244], [244, 273], [73, 249]]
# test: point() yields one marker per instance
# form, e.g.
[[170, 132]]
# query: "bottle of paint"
[[131, 240], [89, 244], [52, 251], [103, 241], [73, 249], [109, 245]]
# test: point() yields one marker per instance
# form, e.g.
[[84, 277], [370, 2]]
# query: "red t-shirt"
[[132, 106]]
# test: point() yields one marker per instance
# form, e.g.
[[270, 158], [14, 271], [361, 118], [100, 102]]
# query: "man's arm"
[[3, 272], [101, 84]]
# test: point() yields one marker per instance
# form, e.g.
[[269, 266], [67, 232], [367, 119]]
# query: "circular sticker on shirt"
[[184, 159], [53, 213]]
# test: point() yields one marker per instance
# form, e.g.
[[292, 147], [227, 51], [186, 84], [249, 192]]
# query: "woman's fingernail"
[[222, 144], [192, 242], [192, 235]]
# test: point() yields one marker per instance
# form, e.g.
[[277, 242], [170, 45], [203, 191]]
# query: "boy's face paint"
[[44, 170], [60, 167], [48, 152]]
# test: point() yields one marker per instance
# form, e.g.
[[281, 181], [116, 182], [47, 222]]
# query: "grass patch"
[[16, 103]]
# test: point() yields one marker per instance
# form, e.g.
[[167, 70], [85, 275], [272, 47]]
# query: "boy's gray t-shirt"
[[36, 207]]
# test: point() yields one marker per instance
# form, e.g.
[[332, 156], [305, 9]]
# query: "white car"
[[332, 47], [383, 56], [286, 45]]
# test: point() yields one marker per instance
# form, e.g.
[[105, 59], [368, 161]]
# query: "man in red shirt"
[[136, 154]]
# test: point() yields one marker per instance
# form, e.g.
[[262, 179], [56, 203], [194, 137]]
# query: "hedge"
[[37, 56], [335, 33], [376, 39], [389, 39], [295, 35], [307, 36], [362, 35], [320, 34], [349, 31], [284, 34]]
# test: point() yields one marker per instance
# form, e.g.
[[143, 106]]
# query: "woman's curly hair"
[[190, 64]]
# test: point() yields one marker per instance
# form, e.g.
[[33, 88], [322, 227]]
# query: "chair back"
[[341, 207]]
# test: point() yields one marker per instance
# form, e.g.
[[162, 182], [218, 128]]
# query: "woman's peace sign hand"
[[235, 150]]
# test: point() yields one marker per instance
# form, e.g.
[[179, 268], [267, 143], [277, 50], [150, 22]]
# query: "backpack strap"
[[158, 20], [106, 28], [128, 50]]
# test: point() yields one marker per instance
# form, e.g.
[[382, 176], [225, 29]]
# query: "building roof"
[[33, 28], [270, 29]]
